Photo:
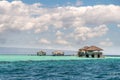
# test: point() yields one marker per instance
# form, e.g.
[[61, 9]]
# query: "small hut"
[[91, 51], [58, 53], [41, 53]]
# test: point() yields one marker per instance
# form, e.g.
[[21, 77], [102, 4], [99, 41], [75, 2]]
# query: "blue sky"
[[60, 24], [71, 2]]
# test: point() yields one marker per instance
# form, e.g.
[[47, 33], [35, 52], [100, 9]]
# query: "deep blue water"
[[101, 69]]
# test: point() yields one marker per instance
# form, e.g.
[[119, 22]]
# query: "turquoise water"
[[58, 68], [41, 58]]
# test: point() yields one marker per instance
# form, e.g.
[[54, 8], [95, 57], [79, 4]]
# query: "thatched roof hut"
[[41, 53], [58, 53], [90, 51]]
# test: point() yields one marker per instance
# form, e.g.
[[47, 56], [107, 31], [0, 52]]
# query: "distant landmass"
[[30, 51]]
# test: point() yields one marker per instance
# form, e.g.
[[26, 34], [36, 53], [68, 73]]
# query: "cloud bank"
[[70, 23]]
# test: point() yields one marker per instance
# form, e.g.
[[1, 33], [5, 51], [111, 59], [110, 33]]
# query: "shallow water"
[[73, 68], [41, 58]]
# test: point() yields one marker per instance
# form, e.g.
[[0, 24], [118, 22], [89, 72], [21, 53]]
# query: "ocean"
[[16, 67]]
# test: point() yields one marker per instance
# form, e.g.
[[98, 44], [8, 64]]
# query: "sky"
[[60, 24]]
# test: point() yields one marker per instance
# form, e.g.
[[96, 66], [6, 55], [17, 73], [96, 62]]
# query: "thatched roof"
[[94, 48], [84, 48], [58, 52], [91, 48], [42, 51]]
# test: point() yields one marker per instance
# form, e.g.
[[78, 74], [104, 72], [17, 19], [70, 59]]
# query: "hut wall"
[[80, 54], [41, 53], [58, 53]]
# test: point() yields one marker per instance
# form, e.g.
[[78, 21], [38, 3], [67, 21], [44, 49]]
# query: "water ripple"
[[61, 70]]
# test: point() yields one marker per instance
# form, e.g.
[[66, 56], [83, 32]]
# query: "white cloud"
[[84, 33], [81, 23], [44, 41], [106, 42], [21, 16], [99, 14], [59, 34], [118, 25], [62, 42], [2, 27]]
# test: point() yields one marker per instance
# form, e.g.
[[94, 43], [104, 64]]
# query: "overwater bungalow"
[[92, 51], [41, 53], [58, 53]]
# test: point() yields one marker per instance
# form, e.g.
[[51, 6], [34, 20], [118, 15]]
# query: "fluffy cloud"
[[84, 33], [106, 42], [44, 41], [118, 25], [21, 16], [80, 23], [59, 34], [62, 42]]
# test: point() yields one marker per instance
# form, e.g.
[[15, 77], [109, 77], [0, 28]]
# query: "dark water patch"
[[99, 69]]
